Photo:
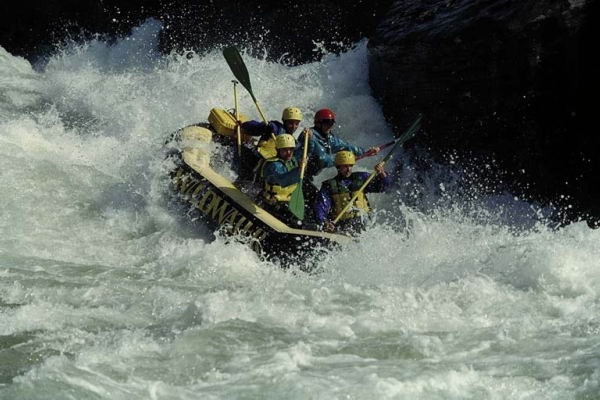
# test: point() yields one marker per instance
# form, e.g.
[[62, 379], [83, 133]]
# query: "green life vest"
[[341, 196]]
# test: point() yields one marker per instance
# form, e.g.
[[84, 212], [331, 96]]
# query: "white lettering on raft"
[[219, 210]]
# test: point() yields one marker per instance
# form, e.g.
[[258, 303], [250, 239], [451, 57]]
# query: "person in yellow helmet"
[[290, 117], [322, 147], [335, 194], [281, 176]]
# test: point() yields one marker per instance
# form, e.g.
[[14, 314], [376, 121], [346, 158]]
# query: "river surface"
[[106, 292]]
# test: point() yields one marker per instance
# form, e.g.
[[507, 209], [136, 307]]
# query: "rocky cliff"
[[510, 82]]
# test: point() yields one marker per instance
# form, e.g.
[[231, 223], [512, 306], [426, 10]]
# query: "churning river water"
[[107, 293]]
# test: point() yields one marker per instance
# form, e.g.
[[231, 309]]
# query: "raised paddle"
[[409, 134], [296, 204], [237, 66]]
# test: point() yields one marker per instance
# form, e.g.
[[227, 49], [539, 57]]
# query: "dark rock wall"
[[499, 79]]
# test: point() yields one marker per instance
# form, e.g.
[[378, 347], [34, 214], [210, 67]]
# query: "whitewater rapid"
[[107, 293]]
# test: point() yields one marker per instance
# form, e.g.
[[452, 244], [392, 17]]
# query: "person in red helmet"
[[322, 147]]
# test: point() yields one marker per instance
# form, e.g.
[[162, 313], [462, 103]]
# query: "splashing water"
[[106, 293]]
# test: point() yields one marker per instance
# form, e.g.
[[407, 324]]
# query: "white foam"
[[108, 292]]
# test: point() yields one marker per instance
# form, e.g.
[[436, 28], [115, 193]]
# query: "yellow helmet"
[[345, 158], [291, 113], [285, 141]]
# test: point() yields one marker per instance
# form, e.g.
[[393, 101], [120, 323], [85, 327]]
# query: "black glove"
[[267, 130]]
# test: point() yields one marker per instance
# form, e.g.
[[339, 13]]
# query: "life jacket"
[[275, 193], [266, 144], [266, 147], [341, 196]]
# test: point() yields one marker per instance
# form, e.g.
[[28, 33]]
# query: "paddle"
[[409, 134], [383, 146], [237, 118], [237, 66], [296, 204]]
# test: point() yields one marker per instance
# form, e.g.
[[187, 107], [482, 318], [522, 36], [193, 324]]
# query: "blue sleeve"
[[278, 127], [378, 184], [253, 128], [257, 128], [338, 144], [326, 160], [315, 151], [322, 204], [276, 173]]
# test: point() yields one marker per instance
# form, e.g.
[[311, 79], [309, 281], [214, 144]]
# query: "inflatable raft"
[[224, 207]]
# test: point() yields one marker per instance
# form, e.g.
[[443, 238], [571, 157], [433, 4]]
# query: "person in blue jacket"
[[337, 192], [281, 176], [290, 117], [322, 147]]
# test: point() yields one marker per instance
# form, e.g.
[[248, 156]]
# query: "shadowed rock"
[[509, 80]]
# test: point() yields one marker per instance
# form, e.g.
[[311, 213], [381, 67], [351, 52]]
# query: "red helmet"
[[323, 114]]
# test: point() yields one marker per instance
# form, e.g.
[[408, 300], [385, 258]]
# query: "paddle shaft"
[[304, 153], [237, 118], [405, 136], [383, 146]]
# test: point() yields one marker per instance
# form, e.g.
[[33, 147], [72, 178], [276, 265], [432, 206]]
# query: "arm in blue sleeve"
[[338, 144], [322, 204], [275, 173], [378, 184], [324, 159], [253, 128], [257, 128], [278, 127]]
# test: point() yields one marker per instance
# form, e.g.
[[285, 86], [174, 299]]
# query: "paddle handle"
[[262, 115], [383, 146], [237, 118], [304, 153]]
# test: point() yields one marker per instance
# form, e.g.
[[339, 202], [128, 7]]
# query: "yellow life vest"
[[341, 195], [275, 193], [267, 148]]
